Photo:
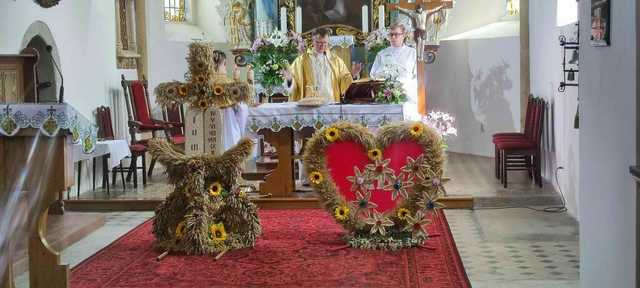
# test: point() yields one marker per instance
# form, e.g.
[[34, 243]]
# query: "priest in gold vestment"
[[319, 72]]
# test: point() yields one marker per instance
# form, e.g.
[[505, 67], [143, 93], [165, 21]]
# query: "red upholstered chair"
[[528, 128], [139, 114], [527, 147], [105, 131], [174, 116]]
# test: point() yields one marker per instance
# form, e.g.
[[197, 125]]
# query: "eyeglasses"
[[396, 34]]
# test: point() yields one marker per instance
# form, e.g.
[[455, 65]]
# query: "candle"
[[283, 19], [298, 19], [381, 17], [365, 19]]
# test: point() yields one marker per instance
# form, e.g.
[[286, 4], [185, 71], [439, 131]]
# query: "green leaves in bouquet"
[[391, 92], [269, 60]]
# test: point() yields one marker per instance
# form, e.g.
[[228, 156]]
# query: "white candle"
[[283, 19], [298, 19], [365, 19], [381, 17]]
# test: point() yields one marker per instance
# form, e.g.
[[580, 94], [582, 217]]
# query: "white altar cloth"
[[275, 116]]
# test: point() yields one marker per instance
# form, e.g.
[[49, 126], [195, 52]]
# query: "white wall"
[[167, 44], [84, 32], [478, 82], [607, 148], [465, 15], [546, 74]]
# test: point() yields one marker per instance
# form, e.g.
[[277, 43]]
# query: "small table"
[[278, 121], [115, 149]]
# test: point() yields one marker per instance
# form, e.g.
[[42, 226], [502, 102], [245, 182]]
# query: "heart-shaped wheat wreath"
[[383, 190]]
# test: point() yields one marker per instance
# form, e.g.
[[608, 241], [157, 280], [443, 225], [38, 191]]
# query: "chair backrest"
[[175, 114], [137, 98], [538, 120], [528, 120], [105, 125]]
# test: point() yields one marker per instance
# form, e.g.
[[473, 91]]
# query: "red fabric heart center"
[[342, 156]]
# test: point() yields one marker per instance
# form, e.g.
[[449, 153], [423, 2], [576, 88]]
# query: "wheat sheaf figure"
[[206, 213]]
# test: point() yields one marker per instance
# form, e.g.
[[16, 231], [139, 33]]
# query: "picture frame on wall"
[[331, 12], [600, 23]]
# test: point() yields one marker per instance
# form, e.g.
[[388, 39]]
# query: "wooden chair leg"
[[134, 164], [504, 156], [131, 171], [105, 173], [79, 177], [497, 164], [144, 168], [124, 185], [93, 169], [538, 168], [151, 165]]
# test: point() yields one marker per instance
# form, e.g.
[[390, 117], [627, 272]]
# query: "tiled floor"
[[499, 248], [517, 247]]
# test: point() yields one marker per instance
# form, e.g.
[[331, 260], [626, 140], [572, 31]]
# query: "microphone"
[[61, 96]]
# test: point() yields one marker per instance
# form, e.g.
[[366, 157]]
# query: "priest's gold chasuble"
[[305, 84]]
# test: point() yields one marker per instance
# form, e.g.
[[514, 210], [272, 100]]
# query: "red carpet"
[[298, 248]]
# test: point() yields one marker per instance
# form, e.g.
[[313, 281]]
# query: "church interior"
[[309, 143]]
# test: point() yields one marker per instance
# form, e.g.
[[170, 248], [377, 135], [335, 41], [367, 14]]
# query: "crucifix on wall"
[[421, 12]]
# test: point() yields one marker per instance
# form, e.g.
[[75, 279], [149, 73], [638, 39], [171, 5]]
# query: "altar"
[[277, 122]]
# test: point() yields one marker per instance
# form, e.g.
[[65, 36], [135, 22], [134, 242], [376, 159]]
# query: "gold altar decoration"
[[203, 88], [206, 213], [238, 24], [337, 28]]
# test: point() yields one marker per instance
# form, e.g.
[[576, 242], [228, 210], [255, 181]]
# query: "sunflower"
[[180, 229], [218, 90], [217, 232], [316, 177], [203, 104], [332, 134], [215, 189], [416, 129], [234, 91], [200, 65], [201, 79], [403, 213], [182, 90], [375, 154], [171, 91], [341, 212]]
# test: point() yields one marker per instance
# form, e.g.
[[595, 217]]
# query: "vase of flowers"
[[272, 54], [374, 43], [391, 92], [443, 123]]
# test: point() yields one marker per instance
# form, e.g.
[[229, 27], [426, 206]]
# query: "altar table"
[[278, 121]]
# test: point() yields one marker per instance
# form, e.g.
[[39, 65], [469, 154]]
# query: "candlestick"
[[381, 17], [365, 19], [298, 19], [283, 19]]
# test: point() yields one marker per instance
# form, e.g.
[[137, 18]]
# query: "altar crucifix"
[[421, 12]]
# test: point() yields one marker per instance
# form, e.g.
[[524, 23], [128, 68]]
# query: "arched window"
[[567, 12], [177, 11]]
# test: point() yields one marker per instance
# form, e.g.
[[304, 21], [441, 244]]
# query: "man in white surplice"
[[399, 60]]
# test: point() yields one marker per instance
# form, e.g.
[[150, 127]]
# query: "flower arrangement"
[[391, 92], [415, 188], [274, 53], [442, 123], [376, 41]]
